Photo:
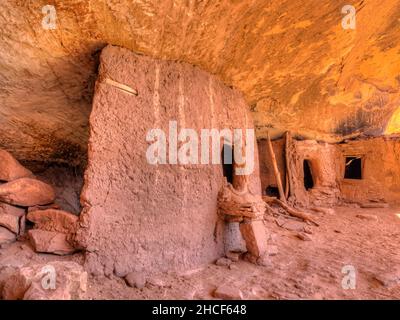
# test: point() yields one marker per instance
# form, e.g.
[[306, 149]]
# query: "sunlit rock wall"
[[296, 65]]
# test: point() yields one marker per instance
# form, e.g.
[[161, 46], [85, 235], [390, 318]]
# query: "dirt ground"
[[298, 269]]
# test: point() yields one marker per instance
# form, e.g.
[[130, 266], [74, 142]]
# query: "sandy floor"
[[299, 270]]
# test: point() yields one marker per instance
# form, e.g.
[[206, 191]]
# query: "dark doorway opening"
[[308, 178], [272, 191], [353, 168], [227, 162]]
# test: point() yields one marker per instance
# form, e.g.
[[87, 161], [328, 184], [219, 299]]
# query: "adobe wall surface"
[[139, 216], [380, 170]]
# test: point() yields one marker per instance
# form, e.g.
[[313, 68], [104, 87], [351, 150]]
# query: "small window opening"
[[227, 162], [272, 191], [308, 178], [353, 168]]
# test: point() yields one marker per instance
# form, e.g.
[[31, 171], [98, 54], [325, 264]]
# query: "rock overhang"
[[297, 67]]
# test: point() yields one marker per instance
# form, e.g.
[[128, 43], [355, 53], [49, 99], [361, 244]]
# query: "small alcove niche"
[[353, 167], [227, 160], [308, 177]]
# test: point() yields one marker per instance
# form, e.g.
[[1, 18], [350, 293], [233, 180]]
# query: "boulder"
[[57, 280], [54, 220], [233, 266], [12, 218], [12, 210], [223, 262], [10, 168], [136, 280], [155, 282], [264, 260], [6, 236], [10, 222], [233, 255], [26, 192], [308, 230], [227, 292], [50, 242]]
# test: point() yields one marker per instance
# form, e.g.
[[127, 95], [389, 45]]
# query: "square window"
[[353, 168]]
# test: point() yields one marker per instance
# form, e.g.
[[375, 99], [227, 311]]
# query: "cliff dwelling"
[[199, 150]]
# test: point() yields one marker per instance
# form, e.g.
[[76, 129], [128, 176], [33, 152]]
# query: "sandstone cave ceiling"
[[297, 67]]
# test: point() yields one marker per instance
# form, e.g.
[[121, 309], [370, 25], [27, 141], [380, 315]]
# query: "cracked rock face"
[[296, 65]]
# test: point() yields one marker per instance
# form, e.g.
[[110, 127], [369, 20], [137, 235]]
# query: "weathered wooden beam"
[[295, 213], [288, 144], [276, 170]]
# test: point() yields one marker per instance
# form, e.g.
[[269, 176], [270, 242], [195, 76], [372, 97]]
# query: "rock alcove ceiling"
[[297, 67]]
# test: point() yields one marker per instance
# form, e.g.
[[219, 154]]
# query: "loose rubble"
[[22, 198]]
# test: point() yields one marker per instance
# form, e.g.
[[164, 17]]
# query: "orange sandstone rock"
[[10, 168], [12, 210], [50, 242], [26, 192], [6, 236], [53, 220], [10, 217], [10, 222]]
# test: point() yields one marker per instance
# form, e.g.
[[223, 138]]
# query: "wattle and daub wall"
[[138, 216]]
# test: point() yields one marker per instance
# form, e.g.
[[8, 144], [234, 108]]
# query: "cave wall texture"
[[160, 217], [297, 67]]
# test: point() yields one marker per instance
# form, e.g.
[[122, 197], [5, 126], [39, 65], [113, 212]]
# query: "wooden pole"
[[276, 170], [295, 213], [288, 144], [286, 185]]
